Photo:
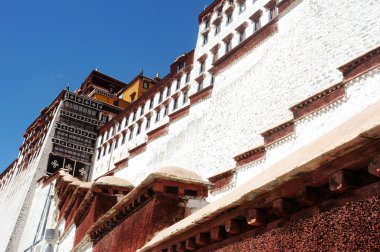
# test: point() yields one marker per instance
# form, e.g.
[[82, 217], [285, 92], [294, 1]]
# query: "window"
[[229, 18], [138, 129], [134, 116], [175, 104], [133, 96], [151, 104], [178, 84], [272, 12], [180, 66], [109, 148], [256, 25], [230, 1], [168, 92], [142, 110], [188, 77], [242, 7], [145, 85], [185, 97], [147, 123], [158, 116], [126, 122], [123, 139], [161, 96], [106, 137], [228, 46], [119, 127], [130, 135], [220, 11], [202, 67], [116, 144], [207, 23], [99, 153], [215, 56], [241, 36], [200, 86], [166, 111], [212, 81], [217, 29], [205, 38]]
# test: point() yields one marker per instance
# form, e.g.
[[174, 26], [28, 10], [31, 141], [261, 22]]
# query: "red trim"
[[201, 94], [221, 180], [317, 101], [361, 64], [160, 131], [250, 156], [137, 150], [284, 5], [279, 132], [179, 113]]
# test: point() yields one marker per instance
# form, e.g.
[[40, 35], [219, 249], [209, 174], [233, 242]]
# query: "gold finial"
[[68, 86], [157, 75]]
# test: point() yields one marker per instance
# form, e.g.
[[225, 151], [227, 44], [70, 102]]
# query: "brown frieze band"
[[195, 98], [318, 101], [179, 114], [279, 132], [250, 156], [361, 64], [158, 132]]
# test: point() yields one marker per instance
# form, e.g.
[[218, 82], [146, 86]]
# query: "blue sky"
[[46, 44]]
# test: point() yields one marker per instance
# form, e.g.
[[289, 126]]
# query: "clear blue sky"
[[46, 44]]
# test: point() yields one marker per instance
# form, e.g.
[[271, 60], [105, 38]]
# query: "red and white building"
[[264, 137]]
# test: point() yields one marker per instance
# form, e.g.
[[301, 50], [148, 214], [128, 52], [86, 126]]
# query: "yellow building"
[[136, 88]]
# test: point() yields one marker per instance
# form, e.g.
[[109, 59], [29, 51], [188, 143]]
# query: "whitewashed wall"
[[255, 93]]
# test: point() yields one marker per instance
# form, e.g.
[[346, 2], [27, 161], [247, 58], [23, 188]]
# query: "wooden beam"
[[307, 196], [374, 166], [217, 233], [341, 181], [172, 248], [256, 217], [233, 226], [202, 239], [282, 207], [190, 244], [181, 247]]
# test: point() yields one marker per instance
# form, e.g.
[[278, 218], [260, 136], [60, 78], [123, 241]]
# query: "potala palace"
[[265, 137]]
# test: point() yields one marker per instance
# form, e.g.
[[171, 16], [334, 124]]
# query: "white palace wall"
[[255, 93]]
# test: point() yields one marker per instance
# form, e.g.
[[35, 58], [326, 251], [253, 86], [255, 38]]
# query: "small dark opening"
[[172, 189], [191, 193]]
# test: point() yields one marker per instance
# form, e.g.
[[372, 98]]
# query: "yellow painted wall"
[[120, 103], [135, 87]]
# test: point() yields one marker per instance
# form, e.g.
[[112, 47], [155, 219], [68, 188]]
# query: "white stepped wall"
[[255, 93]]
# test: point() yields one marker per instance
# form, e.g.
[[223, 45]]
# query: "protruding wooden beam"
[[374, 166], [202, 239], [282, 207], [307, 196], [181, 247], [190, 244], [172, 248], [233, 226], [217, 233], [341, 181], [256, 217]]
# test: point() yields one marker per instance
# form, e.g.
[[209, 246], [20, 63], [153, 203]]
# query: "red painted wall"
[[353, 227], [101, 204], [159, 212]]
